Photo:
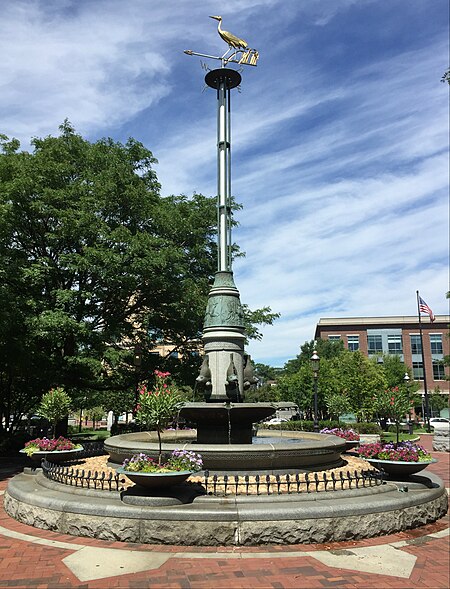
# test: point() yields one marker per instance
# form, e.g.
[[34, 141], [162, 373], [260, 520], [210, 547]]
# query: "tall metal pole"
[[316, 420], [426, 411], [223, 333], [315, 364], [223, 176]]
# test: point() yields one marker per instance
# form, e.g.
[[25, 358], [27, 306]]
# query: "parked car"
[[276, 420], [435, 420]]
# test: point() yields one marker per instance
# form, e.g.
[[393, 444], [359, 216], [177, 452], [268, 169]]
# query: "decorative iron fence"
[[290, 483], [223, 486], [76, 477]]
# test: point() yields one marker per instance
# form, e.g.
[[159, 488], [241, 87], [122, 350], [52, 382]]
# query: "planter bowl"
[[56, 456], [156, 480], [398, 469], [350, 444]]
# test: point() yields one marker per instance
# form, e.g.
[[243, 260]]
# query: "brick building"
[[376, 336]]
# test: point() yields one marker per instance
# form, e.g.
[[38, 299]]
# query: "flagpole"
[[426, 416]]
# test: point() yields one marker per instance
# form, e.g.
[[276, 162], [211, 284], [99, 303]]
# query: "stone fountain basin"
[[304, 452]]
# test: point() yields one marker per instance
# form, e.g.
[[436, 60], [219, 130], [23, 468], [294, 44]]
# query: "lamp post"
[[315, 365], [406, 380], [137, 361]]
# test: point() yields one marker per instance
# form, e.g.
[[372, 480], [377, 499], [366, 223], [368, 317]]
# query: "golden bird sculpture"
[[229, 38]]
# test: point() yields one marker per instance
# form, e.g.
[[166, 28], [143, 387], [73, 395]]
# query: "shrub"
[[367, 428]]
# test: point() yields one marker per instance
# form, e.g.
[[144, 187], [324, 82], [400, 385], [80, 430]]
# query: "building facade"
[[376, 336]]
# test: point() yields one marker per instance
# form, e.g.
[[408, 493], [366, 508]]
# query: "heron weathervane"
[[238, 50]]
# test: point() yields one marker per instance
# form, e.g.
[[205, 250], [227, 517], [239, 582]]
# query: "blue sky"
[[339, 136]]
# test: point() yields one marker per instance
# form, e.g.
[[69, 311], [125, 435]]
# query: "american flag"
[[424, 308]]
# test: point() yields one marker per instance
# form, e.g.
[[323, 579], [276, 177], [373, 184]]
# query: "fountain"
[[224, 422], [256, 508]]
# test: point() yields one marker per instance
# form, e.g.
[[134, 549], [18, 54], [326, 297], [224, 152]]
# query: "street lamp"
[[315, 365], [406, 380], [137, 361]]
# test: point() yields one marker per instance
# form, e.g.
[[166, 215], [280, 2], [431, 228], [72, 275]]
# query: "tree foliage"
[[93, 262], [347, 381], [55, 405]]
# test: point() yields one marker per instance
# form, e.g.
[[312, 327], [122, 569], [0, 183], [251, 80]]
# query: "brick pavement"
[[37, 559]]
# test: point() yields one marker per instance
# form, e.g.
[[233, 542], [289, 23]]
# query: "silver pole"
[[223, 178]]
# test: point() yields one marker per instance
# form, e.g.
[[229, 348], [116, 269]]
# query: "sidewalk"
[[45, 560]]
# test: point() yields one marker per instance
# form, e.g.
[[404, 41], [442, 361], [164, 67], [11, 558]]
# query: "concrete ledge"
[[213, 521], [441, 438]]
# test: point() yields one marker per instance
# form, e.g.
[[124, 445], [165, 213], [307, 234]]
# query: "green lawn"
[[92, 435], [391, 437]]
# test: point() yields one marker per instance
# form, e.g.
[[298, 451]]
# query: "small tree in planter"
[[54, 406], [157, 407]]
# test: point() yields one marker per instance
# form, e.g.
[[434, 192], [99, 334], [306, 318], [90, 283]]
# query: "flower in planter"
[[50, 445], [401, 452], [180, 460], [185, 460], [348, 434]]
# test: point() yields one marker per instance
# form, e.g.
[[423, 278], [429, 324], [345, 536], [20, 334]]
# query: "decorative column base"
[[224, 338]]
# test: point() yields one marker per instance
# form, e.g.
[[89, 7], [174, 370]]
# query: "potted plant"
[[59, 448], [157, 407], [349, 435], [146, 472], [54, 406], [397, 459]]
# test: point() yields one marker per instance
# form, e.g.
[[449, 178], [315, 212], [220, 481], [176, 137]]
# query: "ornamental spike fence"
[[224, 485]]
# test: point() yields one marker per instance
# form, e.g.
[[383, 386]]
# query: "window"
[[438, 371], [374, 344], [353, 342], [395, 344], [416, 344], [436, 343], [334, 338], [417, 370]]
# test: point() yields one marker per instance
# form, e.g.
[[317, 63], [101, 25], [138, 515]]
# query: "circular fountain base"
[[212, 521], [295, 452]]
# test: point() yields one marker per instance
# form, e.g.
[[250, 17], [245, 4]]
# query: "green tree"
[[360, 380], [118, 402], [394, 369], [394, 403], [266, 393], [95, 414], [265, 372], [55, 405], [93, 261], [437, 400], [337, 405], [326, 349]]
